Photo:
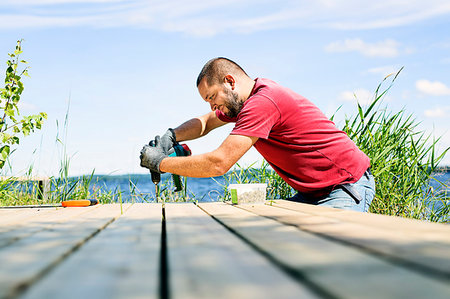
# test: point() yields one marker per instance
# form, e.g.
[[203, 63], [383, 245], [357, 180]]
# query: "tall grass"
[[27, 191], [403, 159]]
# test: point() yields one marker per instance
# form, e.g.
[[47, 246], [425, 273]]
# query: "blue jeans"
[[340, 199]]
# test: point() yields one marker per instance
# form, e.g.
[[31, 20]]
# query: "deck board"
[[428, 231], [340, 270], [217, 250], [122, 261], [29, 258], [207, 261], [421, 244], [26, 222]]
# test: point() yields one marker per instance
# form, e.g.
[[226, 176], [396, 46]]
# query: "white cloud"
[[361, 95], [438, 112], [206, 18], [386, 14], [435, 88], [386, 48], [384, 70]]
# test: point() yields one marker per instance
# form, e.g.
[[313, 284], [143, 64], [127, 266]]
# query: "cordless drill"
[[178, 150]]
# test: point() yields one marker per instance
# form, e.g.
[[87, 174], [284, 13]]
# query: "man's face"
[[221, 97]]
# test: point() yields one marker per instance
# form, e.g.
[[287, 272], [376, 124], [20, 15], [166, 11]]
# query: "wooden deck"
[[216, 250]]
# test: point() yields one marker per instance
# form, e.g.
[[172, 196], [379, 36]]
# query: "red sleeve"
[[257, 117]]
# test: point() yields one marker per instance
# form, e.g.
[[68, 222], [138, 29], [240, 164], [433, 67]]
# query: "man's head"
[[225, 85]]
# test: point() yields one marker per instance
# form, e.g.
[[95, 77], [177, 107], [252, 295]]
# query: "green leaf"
[[5, 137], [10, 112], [4, 152]]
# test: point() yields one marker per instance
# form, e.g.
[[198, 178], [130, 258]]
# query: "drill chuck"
[[156, 177]]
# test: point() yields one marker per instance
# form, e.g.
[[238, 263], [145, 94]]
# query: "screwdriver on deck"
[[65, 204], [79, 203]]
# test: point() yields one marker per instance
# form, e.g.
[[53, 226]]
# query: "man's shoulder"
[[264, 83]]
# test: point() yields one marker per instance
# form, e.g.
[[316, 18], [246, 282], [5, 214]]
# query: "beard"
[[233, 104]]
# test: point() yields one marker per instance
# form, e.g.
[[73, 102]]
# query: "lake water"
[[202, 189]]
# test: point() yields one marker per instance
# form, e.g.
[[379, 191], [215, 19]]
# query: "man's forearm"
[[199, 166], [197, 127], [189, 130], [214, 163]]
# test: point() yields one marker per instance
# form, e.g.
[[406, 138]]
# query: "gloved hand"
[[151, 156], [168, 140]]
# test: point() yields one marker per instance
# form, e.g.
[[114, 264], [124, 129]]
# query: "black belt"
[[350, 190]]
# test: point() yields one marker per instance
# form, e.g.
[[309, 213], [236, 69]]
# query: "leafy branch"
[[11, 123]]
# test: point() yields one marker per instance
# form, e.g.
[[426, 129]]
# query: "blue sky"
[[126, 70]]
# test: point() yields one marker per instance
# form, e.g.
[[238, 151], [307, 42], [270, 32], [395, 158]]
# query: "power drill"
[[178, 150]]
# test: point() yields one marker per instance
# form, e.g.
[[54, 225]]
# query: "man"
[[292, 134]]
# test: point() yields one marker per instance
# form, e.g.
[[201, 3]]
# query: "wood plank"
[[122, 261], [340, 270], [423, 229], [28, 259], [426, 249], [207, 261], [13, 216], [29, 221]]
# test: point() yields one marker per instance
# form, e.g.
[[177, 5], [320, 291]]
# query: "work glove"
[[152, 155], [168, 140]]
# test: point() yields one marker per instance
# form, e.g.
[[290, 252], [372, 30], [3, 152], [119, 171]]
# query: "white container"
[[247, 193]]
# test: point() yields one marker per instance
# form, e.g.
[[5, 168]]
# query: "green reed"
[[60, 188], [167, 193], [403, 159]]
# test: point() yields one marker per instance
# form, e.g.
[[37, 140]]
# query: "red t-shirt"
[[301, 144]]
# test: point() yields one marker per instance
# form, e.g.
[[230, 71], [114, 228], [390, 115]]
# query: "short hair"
[[217, 68]]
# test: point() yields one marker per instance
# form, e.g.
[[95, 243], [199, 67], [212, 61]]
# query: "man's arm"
[[198, 127], [214, 163]]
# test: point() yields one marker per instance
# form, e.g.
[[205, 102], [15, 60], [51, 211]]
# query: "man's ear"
[[229, 79]]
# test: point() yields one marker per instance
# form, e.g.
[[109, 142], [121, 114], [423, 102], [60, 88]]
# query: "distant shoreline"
[[442, 169]]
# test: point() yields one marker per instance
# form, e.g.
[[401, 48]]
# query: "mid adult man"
[[291, 133]]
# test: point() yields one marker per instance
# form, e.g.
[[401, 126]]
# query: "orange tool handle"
[[79, 203]]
